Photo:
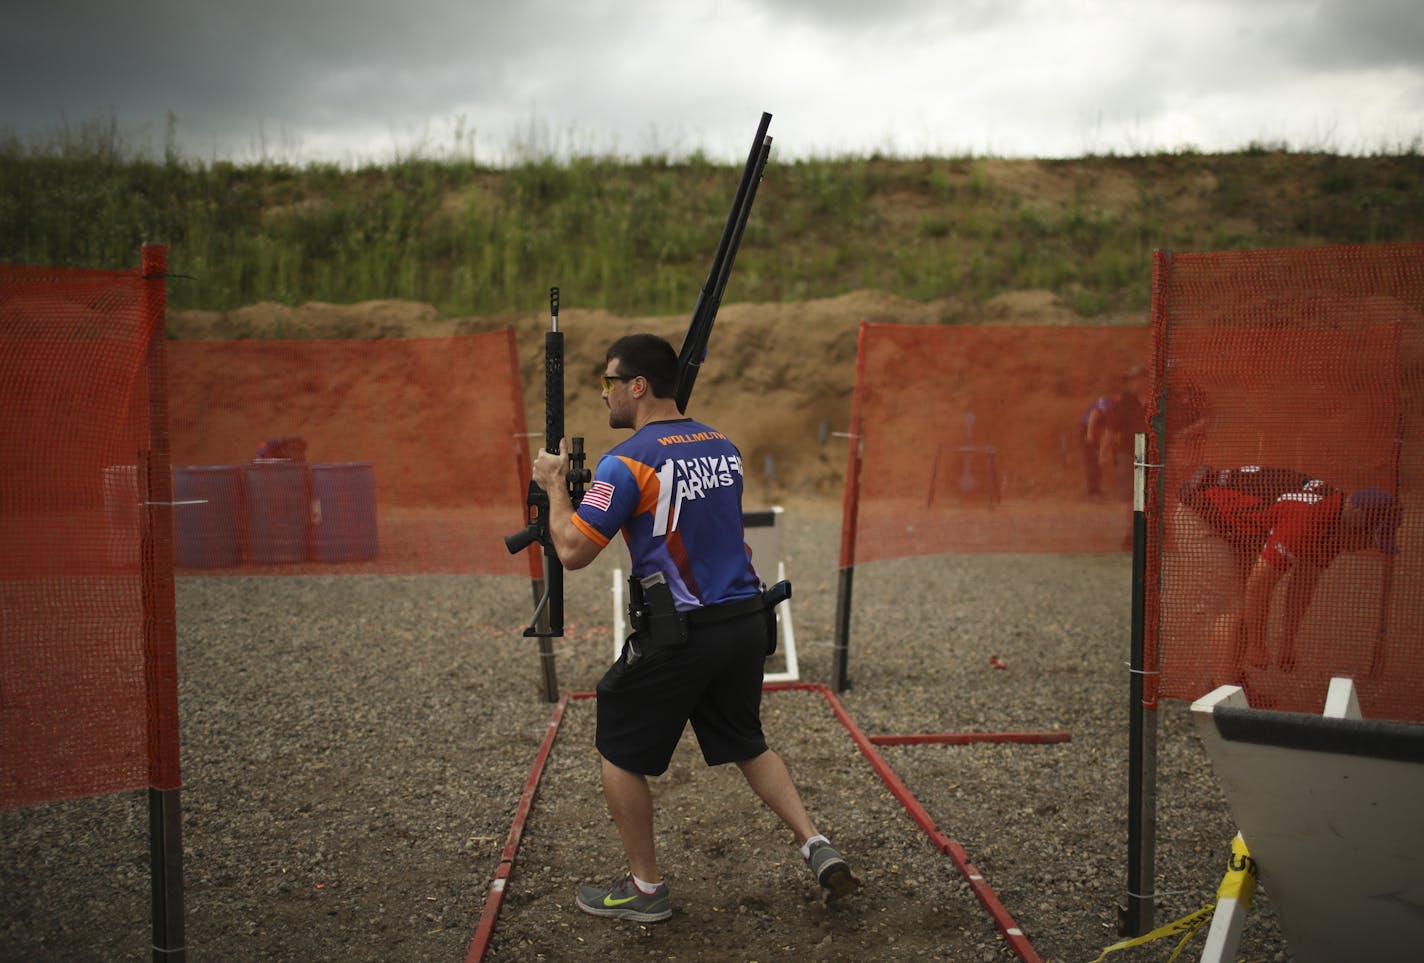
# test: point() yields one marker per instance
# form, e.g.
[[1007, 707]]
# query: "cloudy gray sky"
[[358, 81]]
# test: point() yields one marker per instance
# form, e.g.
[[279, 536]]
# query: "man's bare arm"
[[1259, 585], [1298, 593]]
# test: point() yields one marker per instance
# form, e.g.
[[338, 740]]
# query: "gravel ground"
[[354, 750]]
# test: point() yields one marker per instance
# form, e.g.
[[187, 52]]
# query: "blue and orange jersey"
[[675, 490]]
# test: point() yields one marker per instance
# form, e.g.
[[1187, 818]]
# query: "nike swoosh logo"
[[610, 902]]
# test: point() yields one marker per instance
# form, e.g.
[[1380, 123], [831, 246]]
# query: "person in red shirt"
[[1213, 538], [1268, 522], [1308, 529], [1234, 503]]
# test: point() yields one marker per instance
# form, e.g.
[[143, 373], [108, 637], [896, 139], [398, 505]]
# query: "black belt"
[[723, 611]]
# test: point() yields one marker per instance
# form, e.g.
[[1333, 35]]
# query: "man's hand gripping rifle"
[[548, 620]]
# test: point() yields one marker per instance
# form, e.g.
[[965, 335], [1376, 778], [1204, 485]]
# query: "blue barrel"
[[207, 507], [121, 514], [343, 512], [277, 497]]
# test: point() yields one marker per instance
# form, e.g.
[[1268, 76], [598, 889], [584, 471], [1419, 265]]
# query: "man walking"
[[702, 628]]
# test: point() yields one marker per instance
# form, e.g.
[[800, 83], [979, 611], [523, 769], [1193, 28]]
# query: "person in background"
[[1279, 521], [1106, 431], [702, 629], [1189, 416], [287, 447], [1232, 505], [1308, 530]]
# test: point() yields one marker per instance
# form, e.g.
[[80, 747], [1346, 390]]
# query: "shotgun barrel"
[[694, 346]]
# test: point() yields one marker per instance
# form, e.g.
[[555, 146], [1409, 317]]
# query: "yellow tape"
[[1238, 884], [1240, 880], [1188, 924]]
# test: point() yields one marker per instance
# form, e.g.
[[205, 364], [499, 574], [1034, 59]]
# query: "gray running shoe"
[[831, 871], [624, 901]]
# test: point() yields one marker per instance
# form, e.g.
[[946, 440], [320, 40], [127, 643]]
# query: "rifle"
[[694, 346], [550, 607]]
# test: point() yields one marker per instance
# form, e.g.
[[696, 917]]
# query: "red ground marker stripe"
[[966, 738], [1014, 936], [479, 946]]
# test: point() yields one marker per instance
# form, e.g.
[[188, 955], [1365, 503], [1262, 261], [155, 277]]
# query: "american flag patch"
[[599, 495]]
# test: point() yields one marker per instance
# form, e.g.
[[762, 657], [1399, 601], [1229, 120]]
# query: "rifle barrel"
[[553, 434]]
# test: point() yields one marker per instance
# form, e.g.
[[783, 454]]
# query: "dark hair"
[[650, 356]]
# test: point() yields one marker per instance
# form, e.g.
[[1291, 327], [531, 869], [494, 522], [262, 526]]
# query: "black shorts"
[[714, 679]]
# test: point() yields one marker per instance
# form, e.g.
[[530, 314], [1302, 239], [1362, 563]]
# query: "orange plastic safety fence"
[[126, 456], [1305, 368], [87, 663], [345, 457], [972, 439]]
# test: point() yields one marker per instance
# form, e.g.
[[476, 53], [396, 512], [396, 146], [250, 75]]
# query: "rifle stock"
[[704, 313]]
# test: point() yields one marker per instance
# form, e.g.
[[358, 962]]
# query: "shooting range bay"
[[349, 791]]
